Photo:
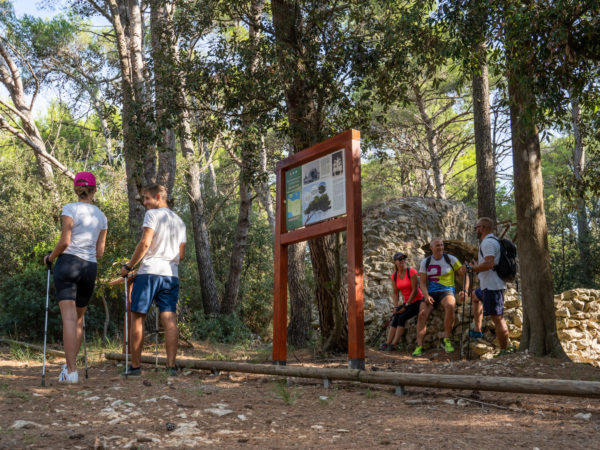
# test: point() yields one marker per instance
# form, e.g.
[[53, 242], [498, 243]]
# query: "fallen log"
[[33, 347], [481, 383]]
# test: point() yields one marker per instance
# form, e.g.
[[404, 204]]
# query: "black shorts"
[[411, 310], [439, 296], [74, 279]]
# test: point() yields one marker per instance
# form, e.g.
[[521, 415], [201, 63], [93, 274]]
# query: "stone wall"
[[408, 225], [577, 322]]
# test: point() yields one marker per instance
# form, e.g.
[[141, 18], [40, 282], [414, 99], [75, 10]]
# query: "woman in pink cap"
[[81, 243]]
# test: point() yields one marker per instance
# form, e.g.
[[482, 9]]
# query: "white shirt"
[[162, 258], [88, 222], [490, 279]]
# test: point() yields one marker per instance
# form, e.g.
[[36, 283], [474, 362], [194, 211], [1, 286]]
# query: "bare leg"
[[80, 313], [136, 338], [477, 312], [424, 311], [390, 336], [398, 335], [449, 304], [68, 313], [501, 330], [169, 321]]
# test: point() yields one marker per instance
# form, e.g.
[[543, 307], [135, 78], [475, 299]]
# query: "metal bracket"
[[399, 390], [326, 383]]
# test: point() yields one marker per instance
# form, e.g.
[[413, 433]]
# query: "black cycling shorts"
[[439, 296], [412, 310], [74, 279]]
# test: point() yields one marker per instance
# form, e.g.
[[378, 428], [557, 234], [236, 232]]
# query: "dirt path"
[[238, 410]]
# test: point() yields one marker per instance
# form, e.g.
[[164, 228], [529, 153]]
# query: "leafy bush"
[[224, 329]]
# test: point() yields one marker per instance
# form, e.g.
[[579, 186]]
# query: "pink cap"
[[84, 179]]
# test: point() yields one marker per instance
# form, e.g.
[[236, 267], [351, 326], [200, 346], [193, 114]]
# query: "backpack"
[[507, 264]]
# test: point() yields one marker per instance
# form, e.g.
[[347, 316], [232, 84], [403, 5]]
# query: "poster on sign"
[[323, 188], [315, 191]]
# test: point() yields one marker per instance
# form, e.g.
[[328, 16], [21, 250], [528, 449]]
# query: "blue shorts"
[[493, 301], [147, 288]]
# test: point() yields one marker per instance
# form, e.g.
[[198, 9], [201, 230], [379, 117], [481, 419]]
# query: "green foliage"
[[225, 329], [289, 396]]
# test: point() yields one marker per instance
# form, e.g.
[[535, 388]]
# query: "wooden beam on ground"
[[33, 347], [570, 388]]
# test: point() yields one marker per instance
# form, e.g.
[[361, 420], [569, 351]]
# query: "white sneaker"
[[66, 377]]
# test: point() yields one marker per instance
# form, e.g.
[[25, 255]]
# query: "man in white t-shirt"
[[160, 250], [491, 286]]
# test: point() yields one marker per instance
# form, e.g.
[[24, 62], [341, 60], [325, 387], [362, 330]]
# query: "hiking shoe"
[[391, 348], [448, 345], [131, 372], [68, 377], [475, 334], [171, 371], [418, 351], [383, 347]]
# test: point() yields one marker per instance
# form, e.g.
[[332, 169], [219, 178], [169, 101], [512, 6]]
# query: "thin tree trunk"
[[163, 50], [486, 176], [539, 321], [10, 77], [238, 252], [179, 109], [133, 154], [585, 272], [264, 192], [432, 144]]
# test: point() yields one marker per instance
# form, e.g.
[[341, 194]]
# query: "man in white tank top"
[[161, 248]]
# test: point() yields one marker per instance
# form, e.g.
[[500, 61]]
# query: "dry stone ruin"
[[408, 225]]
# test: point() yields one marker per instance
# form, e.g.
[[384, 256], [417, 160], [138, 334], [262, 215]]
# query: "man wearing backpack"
[[437, 274], [491, 286]]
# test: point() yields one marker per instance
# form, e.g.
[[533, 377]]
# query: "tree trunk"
[[134, 155], [10, 77], [486, 176], [163, 51], [286, 19], [585, 272], [539, 321], [333, 308], [298, 330], [238, 252], [432, 144]]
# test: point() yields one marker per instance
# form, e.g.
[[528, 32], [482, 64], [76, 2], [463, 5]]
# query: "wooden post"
[[280, 278], [356, 332]]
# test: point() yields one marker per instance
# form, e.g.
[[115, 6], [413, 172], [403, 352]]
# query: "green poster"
[[293, 198]]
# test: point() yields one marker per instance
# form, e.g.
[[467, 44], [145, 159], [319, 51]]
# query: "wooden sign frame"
[[349, 141]]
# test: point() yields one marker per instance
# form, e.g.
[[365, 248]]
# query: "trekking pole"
[[46, 328], [462, 322], [156, 340], [470, 315], [85, 348], [126, 373], [383, 329]]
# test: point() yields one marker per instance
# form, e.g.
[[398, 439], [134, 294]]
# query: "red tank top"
[[404, 285]]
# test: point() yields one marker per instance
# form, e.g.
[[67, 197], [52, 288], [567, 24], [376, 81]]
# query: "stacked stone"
[[577, 321], [407, 225]]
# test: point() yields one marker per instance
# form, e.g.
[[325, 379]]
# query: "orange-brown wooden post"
[[280, 277], [356, 311], [349, 142]]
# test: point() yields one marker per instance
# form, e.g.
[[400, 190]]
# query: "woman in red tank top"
[[406, 281]]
